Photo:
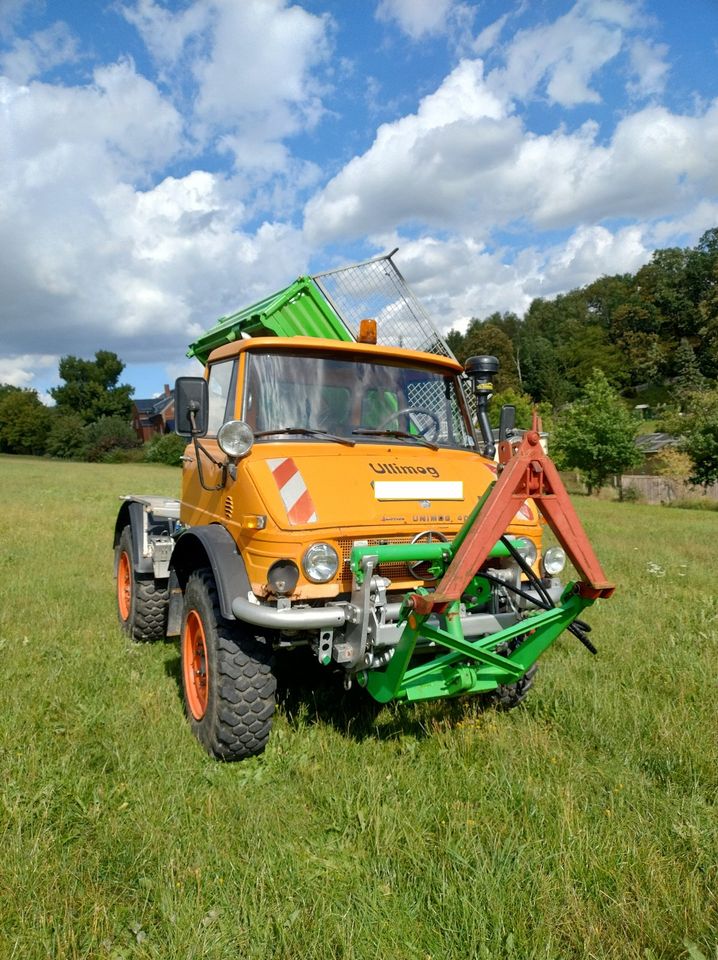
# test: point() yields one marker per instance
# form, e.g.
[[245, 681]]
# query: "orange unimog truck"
[[331, 486]]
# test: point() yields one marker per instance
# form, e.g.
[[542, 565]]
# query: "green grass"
[[580, 825]]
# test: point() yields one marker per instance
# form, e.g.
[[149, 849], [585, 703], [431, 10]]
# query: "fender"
[[212, 545], [133, 513]]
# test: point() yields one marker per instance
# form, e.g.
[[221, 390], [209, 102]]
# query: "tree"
[[689, 378], [596, 434], [24, 422], [522, 402], [486, 338], [91, 388], [700, 432]]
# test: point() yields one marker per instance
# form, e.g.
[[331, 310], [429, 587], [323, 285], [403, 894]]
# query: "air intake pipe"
[[482, 371]]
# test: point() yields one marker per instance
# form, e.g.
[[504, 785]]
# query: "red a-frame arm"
[[528, 473]]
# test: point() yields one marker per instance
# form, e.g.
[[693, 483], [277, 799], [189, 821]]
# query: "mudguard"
[[212, 545], [133, 513]]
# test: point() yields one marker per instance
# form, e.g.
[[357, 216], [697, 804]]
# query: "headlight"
[[282, 577], [235, 438], [527, 549], [554, 560], [320, 562]]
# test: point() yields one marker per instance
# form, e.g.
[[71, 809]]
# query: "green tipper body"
[[301, 309]]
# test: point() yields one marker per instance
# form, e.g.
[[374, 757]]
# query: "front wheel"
[[227, 680]]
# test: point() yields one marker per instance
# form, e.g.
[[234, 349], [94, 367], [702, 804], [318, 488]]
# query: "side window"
[[221, 382]]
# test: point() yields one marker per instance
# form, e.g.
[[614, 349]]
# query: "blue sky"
[[167, 162]]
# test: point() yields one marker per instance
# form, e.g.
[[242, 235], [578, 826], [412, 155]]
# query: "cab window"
[[222, 377]]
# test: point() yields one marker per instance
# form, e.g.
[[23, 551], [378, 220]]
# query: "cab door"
[[200, 505]]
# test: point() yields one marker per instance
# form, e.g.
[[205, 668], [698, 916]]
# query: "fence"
[[663, 490]]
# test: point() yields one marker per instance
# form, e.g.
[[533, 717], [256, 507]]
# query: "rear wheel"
[[227, 680], [141, 604]]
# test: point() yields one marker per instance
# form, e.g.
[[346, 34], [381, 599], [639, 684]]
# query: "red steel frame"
[[525, 473]]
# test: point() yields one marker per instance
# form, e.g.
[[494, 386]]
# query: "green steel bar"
[[450, 681], [414, 552], [443, 676], [569, 607], [471, 519]]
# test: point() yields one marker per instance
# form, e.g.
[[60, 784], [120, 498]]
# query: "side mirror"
[[191, 397], [507, 421]]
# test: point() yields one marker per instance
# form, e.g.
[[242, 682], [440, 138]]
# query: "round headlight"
[[235, 438], [554, 560], [527, 549], [320, 562]]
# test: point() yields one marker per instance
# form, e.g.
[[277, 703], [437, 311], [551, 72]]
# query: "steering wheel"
[[434, 426]]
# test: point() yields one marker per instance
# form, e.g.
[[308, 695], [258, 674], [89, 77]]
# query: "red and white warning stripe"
[[524, 512], [293, 491]]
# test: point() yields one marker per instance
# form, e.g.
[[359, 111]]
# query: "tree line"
[[649, 337], [89, 421]]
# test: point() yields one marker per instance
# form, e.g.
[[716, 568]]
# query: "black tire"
[[509, 695], [227, 680], [141, 604]]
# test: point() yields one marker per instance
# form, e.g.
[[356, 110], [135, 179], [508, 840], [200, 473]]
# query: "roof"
[[153, 406], [338, 347], [655, 442]]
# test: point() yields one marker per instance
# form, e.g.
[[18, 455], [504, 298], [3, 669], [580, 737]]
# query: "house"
[[154, 417], [653, 444]]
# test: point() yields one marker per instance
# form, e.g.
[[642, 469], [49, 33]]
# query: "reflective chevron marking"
[[293, 491]]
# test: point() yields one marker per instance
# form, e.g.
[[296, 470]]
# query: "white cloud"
[[561, 58], [94, 256], [253, 67], [167, 31], [465, 160], [32, 56], [20, 370], [650, 70], [417, 18], [489, 36], [458, 279], [10, 12]]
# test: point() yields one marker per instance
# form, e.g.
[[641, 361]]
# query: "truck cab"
[[343, 443]]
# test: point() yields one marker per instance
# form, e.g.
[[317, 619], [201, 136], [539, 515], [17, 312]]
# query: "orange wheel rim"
[[124, 586], [194, 665]]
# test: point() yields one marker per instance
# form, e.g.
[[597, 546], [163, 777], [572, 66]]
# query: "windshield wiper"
[[399, 434], [306, 431]]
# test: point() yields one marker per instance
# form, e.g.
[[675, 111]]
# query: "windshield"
[[364, 400]]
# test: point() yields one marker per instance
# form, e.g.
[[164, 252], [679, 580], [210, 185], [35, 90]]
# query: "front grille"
[[394, 571]]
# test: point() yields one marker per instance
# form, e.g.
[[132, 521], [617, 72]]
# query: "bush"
[[165, 449], [106, 435], [120, 455], [67, 440]]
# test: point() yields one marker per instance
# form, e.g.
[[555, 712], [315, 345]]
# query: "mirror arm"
[[198, 448]]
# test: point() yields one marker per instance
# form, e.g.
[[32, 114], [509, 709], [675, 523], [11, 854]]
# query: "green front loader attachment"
[[449, 664]]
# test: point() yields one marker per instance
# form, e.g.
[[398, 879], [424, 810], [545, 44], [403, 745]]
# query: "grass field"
[[583, 824]]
